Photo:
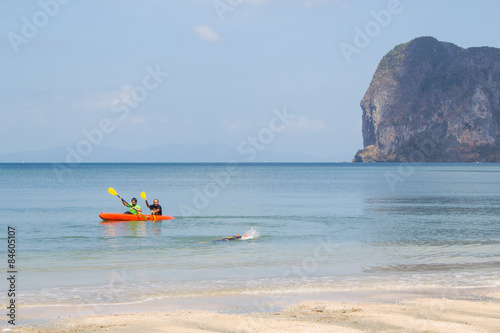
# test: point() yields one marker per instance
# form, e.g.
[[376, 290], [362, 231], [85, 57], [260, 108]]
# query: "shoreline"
[[435, 309]]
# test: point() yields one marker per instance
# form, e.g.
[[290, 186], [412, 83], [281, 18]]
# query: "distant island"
[[432, 101]]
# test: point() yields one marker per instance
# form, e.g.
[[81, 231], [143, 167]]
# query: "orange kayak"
[[133, 217]]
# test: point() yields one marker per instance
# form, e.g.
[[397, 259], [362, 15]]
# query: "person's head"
[[134, 201], [156, 202]]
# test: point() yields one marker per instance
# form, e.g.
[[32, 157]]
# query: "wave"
[[120, 291], [432, 267]]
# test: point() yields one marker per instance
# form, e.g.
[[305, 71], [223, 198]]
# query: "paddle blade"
[[112, 191], [143, 195]]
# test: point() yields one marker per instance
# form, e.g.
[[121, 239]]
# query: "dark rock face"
[[435, 102]]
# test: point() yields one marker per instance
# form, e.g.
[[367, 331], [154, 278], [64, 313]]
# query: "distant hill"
[[166, 153], [433, 101]]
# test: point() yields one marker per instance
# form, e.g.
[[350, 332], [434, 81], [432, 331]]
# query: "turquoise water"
[[314, 227]]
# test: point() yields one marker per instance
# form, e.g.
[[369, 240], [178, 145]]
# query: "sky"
[[284, 78]]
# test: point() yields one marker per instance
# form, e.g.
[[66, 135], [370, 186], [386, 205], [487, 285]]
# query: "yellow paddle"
[[113, 192], [143, 195]]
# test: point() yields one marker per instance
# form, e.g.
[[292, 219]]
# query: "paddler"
[[134, 207], [155, 207]]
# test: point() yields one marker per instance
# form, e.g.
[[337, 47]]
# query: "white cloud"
[[237, 125], [105, 100], [135, 120], [206, 33], [313, 3], [303, 124], [342, 4]]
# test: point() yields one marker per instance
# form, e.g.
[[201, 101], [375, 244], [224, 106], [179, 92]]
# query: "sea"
[[307, 227]]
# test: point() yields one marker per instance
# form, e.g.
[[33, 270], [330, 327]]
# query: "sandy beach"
[[416, 311]]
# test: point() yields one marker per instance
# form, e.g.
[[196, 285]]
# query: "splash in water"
[[251, 234]]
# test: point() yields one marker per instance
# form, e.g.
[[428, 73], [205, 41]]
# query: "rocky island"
[[432, 101]]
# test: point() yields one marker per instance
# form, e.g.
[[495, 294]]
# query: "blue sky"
[[222, 67]]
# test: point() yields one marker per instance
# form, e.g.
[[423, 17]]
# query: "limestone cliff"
[[433, 101]]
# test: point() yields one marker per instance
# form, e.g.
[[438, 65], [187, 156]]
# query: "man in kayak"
[[134, 207], [155, 207]]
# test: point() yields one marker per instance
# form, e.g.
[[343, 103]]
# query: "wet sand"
[[443, 310]]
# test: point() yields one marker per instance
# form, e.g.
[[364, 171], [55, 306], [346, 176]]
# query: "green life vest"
[[132, 210]]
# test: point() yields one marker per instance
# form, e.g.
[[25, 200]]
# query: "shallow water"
[[319, 227]]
